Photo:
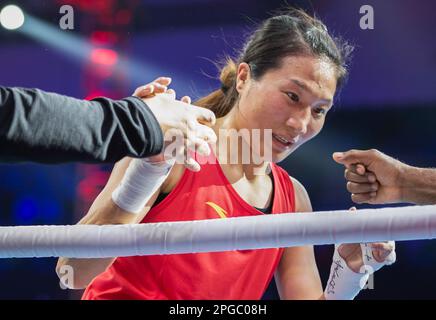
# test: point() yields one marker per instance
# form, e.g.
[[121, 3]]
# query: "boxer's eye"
[[293, 96]]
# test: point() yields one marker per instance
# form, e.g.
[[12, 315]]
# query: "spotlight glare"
[[11, 17]]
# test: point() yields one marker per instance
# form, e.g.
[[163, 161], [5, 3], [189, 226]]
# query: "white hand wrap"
[[140, 182], [371, 265], [344, 283]]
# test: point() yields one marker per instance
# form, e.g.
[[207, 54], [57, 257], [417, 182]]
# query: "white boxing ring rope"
[[254, 232]]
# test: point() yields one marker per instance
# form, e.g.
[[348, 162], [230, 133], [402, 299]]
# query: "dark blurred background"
[[388, 103]]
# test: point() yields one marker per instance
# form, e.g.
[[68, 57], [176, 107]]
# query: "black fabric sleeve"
[[46, 127]]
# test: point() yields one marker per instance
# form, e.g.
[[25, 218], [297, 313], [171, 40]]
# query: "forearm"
[[301, 294], [49, 128], [85, 270], [418, 185], [299, 284], [297, 276]]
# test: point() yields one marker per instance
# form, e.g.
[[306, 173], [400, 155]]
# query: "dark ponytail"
[[222, 100]]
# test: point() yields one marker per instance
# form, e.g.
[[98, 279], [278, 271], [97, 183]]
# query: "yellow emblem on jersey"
[[221, 212]]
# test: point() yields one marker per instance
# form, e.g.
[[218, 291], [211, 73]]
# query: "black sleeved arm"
[[49, 128]]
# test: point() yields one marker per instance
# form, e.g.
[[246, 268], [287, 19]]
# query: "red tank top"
[[235, 275]]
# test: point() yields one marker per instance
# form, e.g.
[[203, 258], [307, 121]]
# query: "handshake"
[[178, 119]]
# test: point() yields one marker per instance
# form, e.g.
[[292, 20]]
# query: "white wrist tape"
[[371, 265], [140, 182], [344, 283]]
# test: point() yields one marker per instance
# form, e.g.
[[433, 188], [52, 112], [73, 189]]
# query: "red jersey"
[[241, 274]]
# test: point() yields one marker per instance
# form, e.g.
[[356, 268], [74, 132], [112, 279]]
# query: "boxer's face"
[[292, 100]]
